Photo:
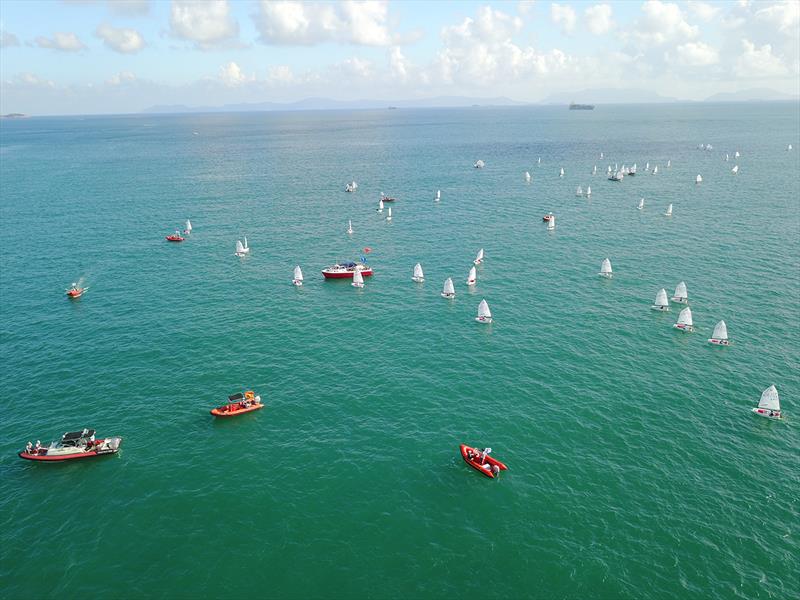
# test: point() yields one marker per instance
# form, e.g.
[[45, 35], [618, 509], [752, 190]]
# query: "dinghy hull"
[[775, 415], [448, 296], [660, 308], [477, 464], [417, 279], [719, 342], [680, 300], [684, 328], [483, 319]]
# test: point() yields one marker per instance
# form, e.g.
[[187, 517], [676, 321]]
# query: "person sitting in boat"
[[28, 448]]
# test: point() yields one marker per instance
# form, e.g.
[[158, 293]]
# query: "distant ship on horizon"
[[574, 106]]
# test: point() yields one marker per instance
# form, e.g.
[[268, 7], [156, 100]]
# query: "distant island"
[[574, 106], [13, 116]]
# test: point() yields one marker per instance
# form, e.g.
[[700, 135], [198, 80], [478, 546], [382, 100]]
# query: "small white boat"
[[727, 158], [298, 276], [588, 191], [594, 170], [484, 314], [770, 405], [358, 279], [479, 164], [472, 278], [551, 223], [380, 206], [647, 166], [681, 295], [448, 291], [188, 229], [736, 154], [661, 302], [617, 176], [655, 170], [735, 169], [579, 192], [789, 147], [605, 269], [685, 321], [720, 335], [242, 249], [418, 276], [438, 195], [539, 160], [669, 163], [350, 226], [389, 214], [669, 211], [479, 258], [608, 170], [351, 187], [698, 179], [632, 170], [640, 206], [601, 155], [561, 173], [527, 177]]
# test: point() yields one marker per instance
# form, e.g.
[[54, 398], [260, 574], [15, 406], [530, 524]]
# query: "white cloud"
[[304, 23], [524, 7], [490, 26], [662, 22], [8, 39], [755, 62], [598, 18], [206, 22], [29, 80], [783, 15], [399, 66], [120, 78], [564, 16], [129, 7], [65, 41], [703, 10], [122, 40], [281, 74], [232, 75], [696, 54]]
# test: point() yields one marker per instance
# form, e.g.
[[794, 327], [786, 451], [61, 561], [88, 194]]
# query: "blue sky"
[[95, 56]]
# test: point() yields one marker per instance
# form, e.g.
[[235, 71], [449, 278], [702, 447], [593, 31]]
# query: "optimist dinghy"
[[685, 321], [481, 461], [298, 276], [769, 406], [661, 302], [472, 277], [448, 291], [484, 314], [681, 295], [720, 335], [418, 276], [479, 258], [605, 269]]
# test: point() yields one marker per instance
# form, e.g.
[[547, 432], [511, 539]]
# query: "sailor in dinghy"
[[358, 279], [188, 229], [448, 291], [661, 303], [685, 321], [770, 405], [298, 276], [484, 314], [605, 269], [472, 278], [479, 258], [681, 294], [720, 335], [418, 276]]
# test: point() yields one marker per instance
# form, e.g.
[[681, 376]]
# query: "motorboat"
[[175, 237], [386, 198], [481, 461], [345, 270], [239, 404], [73, 445], [75, 291]]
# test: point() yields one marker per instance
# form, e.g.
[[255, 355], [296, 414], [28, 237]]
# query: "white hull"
[[717, 342], [684, 328], [448, 296], [417, 279], [661, 308], [483, 319], [471, 282], [297, 282], [240, 254], [768, 414], [680, 300], [476, 262], [606, 275], [357, 285]]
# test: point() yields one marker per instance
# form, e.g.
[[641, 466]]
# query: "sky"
[[121, 56]]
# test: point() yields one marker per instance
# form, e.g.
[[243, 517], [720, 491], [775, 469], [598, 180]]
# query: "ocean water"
[[636, 469]]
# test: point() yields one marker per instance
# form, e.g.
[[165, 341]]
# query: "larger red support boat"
[[345, 270], [481, 461]]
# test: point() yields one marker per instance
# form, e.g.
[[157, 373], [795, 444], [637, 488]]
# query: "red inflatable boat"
[[481, 461], [238, 404]]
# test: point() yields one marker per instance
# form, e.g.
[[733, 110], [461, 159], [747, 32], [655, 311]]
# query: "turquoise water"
[[636, 469]]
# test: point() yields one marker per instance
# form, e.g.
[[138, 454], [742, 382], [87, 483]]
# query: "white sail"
[[483, 310], [661, 298], [349, 226], [389, 214], [680, 291], [579, 191], [608, 170], [605, 268], [588, 190], [188, 226], [735, 169], [479, 164], [246, 247], [769, 399], [789, 147], [472, 277], [479, 257], [698, 179], [669, 163], [655, 170], [239, 247], [448, 289], [358, 278], [561, 174], [641, 204], [736, 154], [720, 331], [647, 166], [685, 317], [539, 160], [298, 273], [594, 170], [380, 206], [418, 274], [601, 155], [669, 211], [727, 158], [527, 176], [438, 195], [551, 224]]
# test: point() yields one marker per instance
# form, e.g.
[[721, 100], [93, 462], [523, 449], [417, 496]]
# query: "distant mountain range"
[[330, 104], [589, 96]]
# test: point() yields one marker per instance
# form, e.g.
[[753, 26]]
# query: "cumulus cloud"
[[598, 18], [696, 54], [122, 40], [564, 16], [756, 62], [525, 6], [64, 41], [785, 16], [29, 80], [662, 22], [703, 10], [232, 75], [8, 39], [306, 23], [121, 78], [207, 23], [399, 66]]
